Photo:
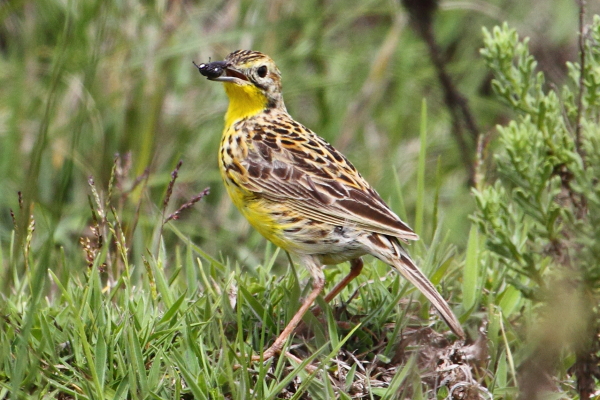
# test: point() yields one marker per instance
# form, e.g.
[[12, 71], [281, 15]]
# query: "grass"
[[180, 322], [143, 308], [181, 333]]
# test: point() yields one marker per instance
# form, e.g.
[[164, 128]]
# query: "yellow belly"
[[272, 220], [259, 213]]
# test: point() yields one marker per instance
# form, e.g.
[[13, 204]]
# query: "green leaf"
[[420, 211], [171, 312], [190, 380], [471, 270], [501, 376], [510, 301], [100, 359]]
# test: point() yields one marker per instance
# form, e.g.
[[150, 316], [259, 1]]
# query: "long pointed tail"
[[409, 270], [413, 274]]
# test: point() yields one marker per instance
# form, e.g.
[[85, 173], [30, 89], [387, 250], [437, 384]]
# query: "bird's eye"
[[262, 71]]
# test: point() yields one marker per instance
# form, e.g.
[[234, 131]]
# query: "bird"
[[301, 193]]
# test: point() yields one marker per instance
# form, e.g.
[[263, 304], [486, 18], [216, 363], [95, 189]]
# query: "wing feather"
[[310, 176]]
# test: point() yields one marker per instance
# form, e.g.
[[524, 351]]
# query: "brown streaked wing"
[[312, 192]]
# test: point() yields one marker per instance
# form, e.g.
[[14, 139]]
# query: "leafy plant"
[[540, 213]]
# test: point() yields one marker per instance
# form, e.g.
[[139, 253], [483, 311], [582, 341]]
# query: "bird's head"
[[248, 76]]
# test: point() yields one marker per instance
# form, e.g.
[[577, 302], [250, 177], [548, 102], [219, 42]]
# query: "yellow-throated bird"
[[301, 193]]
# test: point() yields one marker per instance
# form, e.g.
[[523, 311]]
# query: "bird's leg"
[[356, 267], [318, 284]]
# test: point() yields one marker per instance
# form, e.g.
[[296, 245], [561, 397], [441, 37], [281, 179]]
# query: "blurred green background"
[[83, 80]]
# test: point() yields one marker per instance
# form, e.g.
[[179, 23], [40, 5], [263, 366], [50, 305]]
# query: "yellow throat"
[[244, 101]]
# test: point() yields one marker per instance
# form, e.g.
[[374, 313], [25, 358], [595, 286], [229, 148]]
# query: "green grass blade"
[[391, 391], [100, 359], [189, 378], [171, 312], [137, 359], [471, 271], [420, 204]]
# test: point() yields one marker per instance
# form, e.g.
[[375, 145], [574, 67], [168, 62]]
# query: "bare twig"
[[12, 213], [422, 12], [143, 179], [585, 368], [168, 194], [175, 216], [373, 87], [581, 84], [174, 176]]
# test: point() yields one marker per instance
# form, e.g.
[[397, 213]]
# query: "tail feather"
[[413, 274], [409, 270]]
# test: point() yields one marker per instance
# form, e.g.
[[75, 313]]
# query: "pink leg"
[[356, 267], [276, 347]]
